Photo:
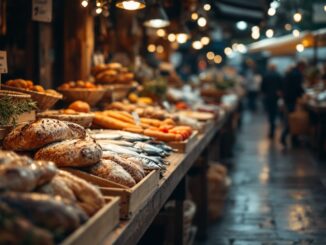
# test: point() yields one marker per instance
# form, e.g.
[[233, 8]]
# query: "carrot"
[[134, 130], [161, 136], [153, 122]]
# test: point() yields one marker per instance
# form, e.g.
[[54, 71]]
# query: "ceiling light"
[[271, 11], [288, 27], [269, 33], [151, 48], [156, 17], [205, 40], [218, 59], [242, 25], [194, 16], [210, 55], [130, 4], [160, 49], [297, 17], [161, 33], [255, 35], [202, 22], [296, 33], [172, 37], [197, 45], [84, 3], [207, 7], [228, 51], [182, 37], [299, 47]]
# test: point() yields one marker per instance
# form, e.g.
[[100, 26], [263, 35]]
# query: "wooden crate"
[[131, 199], [186, 145], [98, 226]]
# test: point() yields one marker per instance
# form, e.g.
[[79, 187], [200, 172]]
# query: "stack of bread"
[[112, 73], [68, 145]]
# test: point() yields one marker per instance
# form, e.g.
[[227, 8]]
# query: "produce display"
[[79, 84], [113, 73], [40, 204]]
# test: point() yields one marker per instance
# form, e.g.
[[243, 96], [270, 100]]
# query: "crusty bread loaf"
[[112, 171], [71, 153], [42, 132], [133, 169]]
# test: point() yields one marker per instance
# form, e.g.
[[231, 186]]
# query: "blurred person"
[[292, 90], [252, 84], [271, 89]]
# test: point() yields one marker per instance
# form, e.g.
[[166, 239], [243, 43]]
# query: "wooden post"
[[78, 41]]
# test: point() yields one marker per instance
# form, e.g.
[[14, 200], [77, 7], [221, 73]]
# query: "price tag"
[[167, 106], [136, 117], [42, 10], [3, 62]]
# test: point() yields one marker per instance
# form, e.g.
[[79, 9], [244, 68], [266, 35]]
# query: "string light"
[[297, 17], [205, 40], [218, 59], [269, 33], [151, 48], [84, 3], [255, 35], [255, 29], [210, 55], [296, 33], [202, 22], [194, 16], [172, 37], [207, 7], [98, 10], [242, 25], [197, 45], [241, 48], [161, 33], [288, 27], [228, 51], [234, 46], [160, 49], [182, 37], [299, 47], [271, 11]]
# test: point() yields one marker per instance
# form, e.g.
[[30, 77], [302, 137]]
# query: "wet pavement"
[[276, 197]]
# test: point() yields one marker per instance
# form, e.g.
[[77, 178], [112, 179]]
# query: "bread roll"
[[112, 171], [42, 132], [71, 153]]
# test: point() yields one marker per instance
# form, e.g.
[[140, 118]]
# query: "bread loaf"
[[71, 153], [42, 132], [112, 171]]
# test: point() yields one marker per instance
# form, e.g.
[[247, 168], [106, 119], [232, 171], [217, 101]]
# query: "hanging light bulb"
[[255, 29], [242, 25], [205, 40], [172, 37], [160, 49], [210, 55], [288, 27], [296, 33], [207, 7], [202, 21], [217, 59], [241, 48], [297, 17], [299, 47], [197, 45], [84, 3], [151, 48], [161, 33], [182, 37], [194, 16], [130, 4], [99, 10], [269, 33], [271, 11], [255, 35], [228, 51], [156, 17]]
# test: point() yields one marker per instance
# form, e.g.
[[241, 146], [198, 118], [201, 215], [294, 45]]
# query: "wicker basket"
[[83, 119], [91, 96], [44, 101], [13, 94]]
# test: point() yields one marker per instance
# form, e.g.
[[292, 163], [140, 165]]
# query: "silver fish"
[[149, 149]]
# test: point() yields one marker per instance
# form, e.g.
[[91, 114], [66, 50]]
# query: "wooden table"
[[130, 232]]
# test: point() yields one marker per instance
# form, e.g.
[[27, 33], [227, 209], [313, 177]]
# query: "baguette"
[[119, 116], [162, 136], [109, 122]]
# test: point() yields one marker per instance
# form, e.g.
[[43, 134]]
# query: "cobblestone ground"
[[276, 197]]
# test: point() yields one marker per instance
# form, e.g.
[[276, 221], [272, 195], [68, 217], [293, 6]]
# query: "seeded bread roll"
[[35, 135], [112, 171], [71, 153]]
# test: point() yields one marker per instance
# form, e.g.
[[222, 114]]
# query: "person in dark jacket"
[[271, 88], [292, 90]]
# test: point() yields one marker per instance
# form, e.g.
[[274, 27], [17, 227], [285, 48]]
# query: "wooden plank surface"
[[130, 232]]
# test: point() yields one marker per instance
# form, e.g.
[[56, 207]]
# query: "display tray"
[[98, 226], [23, 118], [131, 199], [186, 145]]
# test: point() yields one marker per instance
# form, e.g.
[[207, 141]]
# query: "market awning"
[[285, 45]]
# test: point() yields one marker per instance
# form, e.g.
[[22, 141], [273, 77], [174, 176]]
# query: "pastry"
[[42, 132], [112, 171], [71, 153]]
